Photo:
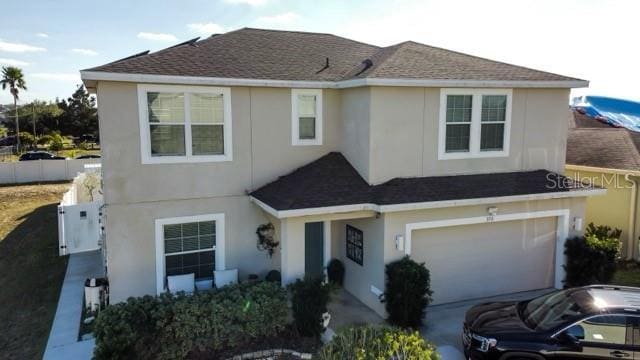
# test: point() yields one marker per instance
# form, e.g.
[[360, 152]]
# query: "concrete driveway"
[[443, 324]]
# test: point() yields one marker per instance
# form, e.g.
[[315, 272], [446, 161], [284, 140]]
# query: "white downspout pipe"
[[632, 216]]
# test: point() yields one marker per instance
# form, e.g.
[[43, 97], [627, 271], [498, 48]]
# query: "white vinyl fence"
[[42, 170]]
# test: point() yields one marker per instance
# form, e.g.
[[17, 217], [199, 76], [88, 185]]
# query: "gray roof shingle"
[[610, 148], [332, 181], [288, 55]]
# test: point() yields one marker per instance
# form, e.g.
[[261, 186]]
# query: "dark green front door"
[[314, 249]]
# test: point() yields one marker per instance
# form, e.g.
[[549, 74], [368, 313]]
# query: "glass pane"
[[167, 140], [201, 264], [207, 241], [172, 246], [457, 138], [165, 107], [492, 137], [190, 243], [190, 229], [172, 231], [605, 329], [307, 106], [174, 261], [459, 108], [207, 227], [307, 128], [206, 108], [494, 107], [207, 139]]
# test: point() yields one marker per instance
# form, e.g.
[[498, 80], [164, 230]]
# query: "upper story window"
[[306, 117], [474, 123], [184, 124]]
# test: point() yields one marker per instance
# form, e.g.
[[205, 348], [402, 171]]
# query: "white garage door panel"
[[474, 261]]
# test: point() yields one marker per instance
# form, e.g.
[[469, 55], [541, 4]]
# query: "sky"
[[596, 40]]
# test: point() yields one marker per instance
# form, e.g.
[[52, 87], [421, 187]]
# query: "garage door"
[[474, 261]]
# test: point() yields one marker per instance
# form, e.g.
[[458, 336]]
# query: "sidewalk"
[[63, 341]]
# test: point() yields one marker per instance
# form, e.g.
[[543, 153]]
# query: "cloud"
[[42, 35], [87, 52], [284, 18], [206, 28], [13, 62], [19, 48], [70, 77], [247, 2], [157, 36]]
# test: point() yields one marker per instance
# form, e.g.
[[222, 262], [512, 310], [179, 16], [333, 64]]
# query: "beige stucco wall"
[[356, 141], [404, 134], [131, 254]]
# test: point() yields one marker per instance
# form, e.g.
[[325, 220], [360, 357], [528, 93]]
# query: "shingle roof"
[[611, 148], [288, 55], [332, 181]]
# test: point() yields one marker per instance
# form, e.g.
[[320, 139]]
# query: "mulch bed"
[[287, 339]]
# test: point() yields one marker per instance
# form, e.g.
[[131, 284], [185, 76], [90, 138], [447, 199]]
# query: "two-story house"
[[352, 151]]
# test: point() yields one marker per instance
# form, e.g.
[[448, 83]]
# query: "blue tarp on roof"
[[615, 112]]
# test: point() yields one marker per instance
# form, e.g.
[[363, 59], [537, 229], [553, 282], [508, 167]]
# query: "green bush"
[[56, 143], [335, 272], [171, 326], [374, 343], [407, 293], [309, 299], [592, 258], [26, 139], [44, 139]]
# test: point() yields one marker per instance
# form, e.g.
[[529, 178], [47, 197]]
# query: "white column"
[[292, 254]]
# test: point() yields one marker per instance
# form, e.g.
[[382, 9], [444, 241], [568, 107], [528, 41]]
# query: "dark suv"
[[593, 322], [39, 155]]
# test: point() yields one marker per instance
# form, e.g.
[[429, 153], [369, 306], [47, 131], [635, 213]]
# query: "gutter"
[[281, 214], [90, 79]]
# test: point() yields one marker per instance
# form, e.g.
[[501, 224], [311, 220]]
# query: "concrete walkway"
[[443, 324], [63, 341]]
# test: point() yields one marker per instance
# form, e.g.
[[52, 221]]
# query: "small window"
[[355, 244], [184, 124], [611, 329], [306, 120], [474, 123]]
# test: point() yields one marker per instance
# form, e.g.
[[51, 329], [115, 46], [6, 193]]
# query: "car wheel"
[[521, 355]]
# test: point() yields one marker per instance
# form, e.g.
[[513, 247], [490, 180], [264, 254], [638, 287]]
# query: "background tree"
[[79, 114], [43, 117], [13, 78]]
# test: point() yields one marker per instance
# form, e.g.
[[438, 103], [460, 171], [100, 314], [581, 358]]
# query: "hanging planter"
[[266, 241]]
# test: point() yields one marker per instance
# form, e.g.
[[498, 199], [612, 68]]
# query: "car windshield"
[[549, 311]]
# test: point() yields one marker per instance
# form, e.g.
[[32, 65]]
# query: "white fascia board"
[[90, 77], [281, 214]]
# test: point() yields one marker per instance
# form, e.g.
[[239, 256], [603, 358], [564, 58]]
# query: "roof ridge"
[[486, 59], [311, 32]]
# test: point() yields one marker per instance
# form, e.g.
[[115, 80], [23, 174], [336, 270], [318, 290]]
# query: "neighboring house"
[[608, 157], [351, 151]]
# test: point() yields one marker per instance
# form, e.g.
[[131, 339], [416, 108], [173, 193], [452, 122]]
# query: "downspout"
[[633, 203]]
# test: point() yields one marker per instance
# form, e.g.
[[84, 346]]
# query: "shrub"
[[335, 272], [309, 299], [373, 343], [274, 276], [56, 143], [592, 258], [44, 139], [407, 292], [26, 139], [171, 326]]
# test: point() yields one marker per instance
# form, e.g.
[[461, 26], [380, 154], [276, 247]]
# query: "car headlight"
[[485, 343]]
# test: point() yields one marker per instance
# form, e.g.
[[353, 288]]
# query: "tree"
[[44, 116], [13, 78], [79, 114]]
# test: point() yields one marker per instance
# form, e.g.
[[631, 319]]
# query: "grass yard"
[[31, 272]]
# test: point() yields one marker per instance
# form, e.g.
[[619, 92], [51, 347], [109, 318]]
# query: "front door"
[[314, 249]]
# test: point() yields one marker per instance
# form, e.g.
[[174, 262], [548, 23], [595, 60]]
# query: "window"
[[607, 329], [188, 245], [355, 244], [474, 123], [306, 117], [184, 123]]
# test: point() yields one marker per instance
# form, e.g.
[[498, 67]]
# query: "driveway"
[[443, 325]]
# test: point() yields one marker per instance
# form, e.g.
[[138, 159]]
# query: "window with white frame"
[[189, 245], [306, 118], [474, 123], [184, 123]]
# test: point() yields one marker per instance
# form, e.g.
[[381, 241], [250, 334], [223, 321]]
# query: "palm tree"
[[14, 79]]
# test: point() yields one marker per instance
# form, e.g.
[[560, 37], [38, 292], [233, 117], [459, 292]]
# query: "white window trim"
[[145, 140], [160, 255], [476, 113], [295, 130]]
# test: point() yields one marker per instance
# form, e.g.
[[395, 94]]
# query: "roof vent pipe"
[[326, 66], [367, 63]]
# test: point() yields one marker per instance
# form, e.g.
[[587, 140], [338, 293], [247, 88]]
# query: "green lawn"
[[628, 274], [31, 272]]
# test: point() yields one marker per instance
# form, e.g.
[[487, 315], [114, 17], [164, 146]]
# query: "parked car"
[[597, 321], [39, 155], [88, 156]]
